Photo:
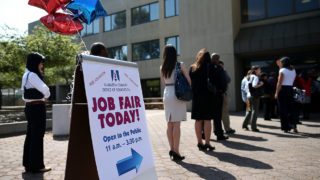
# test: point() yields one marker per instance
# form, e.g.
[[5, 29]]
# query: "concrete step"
[[154, 105], [153, 99]]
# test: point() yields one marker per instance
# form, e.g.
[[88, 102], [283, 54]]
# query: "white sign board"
[[118, 126]]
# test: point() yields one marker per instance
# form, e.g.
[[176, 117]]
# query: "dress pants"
[[217, 116], [289, 116], [33, 145], [267, 108], [225, 112]]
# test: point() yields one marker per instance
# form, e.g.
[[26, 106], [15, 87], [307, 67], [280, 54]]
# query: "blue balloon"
[[87, 10]]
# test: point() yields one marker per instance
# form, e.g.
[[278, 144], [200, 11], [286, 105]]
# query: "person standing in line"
[[225, 106], [252, 113], [35, 94], [220, 82], [203, 100], [175, 110], [266, 98], [284, 94], [244, 94], [304, 83], [98, 49], [243, 89], [272, 80]]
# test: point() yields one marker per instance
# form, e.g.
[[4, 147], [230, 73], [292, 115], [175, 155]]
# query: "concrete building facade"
[[243, 32]]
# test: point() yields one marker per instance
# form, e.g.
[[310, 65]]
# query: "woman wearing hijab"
[[35, 93]]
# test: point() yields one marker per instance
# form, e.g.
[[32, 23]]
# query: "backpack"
[[182, 88]]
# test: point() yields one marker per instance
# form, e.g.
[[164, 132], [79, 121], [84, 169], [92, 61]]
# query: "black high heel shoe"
[[201, 147], [177, 157], [209, 147], [171, 153]]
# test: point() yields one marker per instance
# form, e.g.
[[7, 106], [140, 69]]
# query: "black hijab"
[[33, 61]]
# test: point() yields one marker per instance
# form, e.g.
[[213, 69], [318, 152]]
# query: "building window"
[[171, 8], [175, 41], [150, 87], [93, 28], [307, 5], [115, 21], [252, 10], [145, 13], [279, 8], [119, 52], [145, 50]]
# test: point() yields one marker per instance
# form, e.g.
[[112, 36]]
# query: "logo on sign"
[[115, 75]]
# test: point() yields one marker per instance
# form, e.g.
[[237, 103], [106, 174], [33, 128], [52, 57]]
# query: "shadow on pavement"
[[61, 138], [206, 172], [268, 126], [309, 135], [287, 135], [239, 161], [250, 138], [244, 146], [310, 125], [31, 176]]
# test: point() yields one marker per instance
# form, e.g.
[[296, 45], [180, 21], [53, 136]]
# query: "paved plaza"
[[269, 154]]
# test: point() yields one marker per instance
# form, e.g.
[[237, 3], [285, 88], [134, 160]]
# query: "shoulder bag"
[[256, 92], [182, 88]]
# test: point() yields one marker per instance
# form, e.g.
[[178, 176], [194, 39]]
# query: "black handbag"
[[212, 88], [182, 88], [31, 93], [256, 92]]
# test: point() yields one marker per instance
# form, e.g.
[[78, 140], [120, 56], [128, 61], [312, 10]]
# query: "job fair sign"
[[118, 126]]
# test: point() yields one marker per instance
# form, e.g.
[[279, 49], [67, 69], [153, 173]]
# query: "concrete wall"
[[159, 29], [209, 24]]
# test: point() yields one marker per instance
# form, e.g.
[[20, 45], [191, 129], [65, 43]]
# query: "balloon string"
[[84, 44]]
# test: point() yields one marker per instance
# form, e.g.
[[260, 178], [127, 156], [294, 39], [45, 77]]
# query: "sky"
[[17, 14]]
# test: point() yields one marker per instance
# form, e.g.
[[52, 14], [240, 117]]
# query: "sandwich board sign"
[[108, 135]]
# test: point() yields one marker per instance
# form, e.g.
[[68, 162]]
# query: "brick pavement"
[[270, 154]]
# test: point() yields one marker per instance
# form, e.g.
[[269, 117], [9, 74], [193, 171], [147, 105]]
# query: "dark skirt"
[[203, 106]]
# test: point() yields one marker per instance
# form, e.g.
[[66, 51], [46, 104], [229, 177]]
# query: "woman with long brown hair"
[[175, 110], [254, 101], [203, 101]]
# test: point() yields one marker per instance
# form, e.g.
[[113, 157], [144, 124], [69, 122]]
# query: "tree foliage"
[[59, 50], [12, 58]]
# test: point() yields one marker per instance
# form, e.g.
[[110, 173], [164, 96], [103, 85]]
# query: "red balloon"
[[62, 23], [50, 6]]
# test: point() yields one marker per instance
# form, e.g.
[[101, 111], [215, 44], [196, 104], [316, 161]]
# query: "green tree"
[[59, 50]]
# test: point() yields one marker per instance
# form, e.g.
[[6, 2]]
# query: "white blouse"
[[34, 82], [288, 76]]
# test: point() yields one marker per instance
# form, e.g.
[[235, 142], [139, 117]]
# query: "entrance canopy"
[[290, 34]]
